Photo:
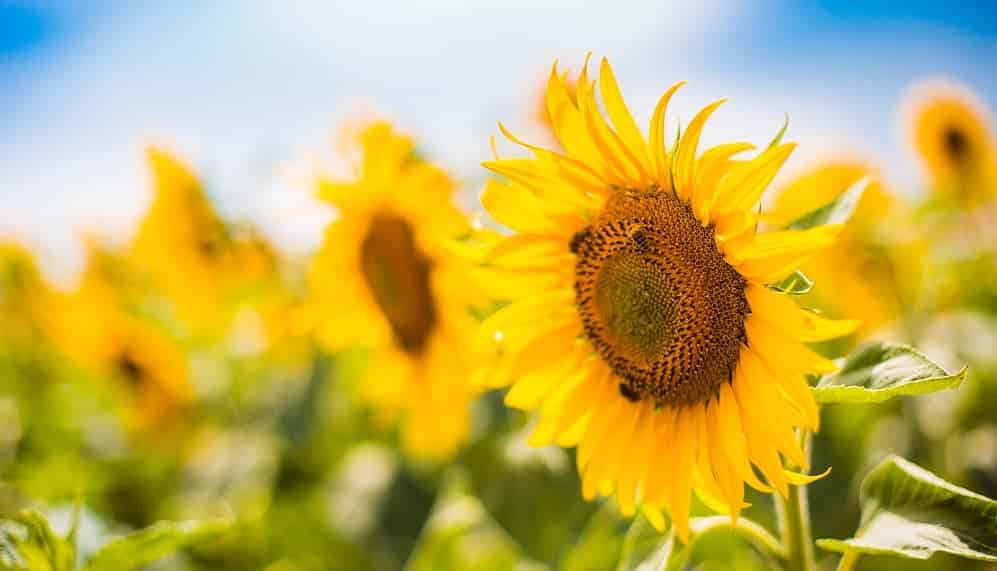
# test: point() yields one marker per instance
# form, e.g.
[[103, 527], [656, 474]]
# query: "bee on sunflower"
[[640, 323], [102, 329], [950, 131], [383, 280]]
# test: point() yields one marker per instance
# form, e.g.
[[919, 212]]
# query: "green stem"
[[848, 561], [747, 529], [794, 519]]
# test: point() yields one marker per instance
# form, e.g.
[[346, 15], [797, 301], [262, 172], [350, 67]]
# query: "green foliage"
[[910, 512], [28, 543], [883, 370], [136, 549], [646, 549], [796, 283], [461, 534]]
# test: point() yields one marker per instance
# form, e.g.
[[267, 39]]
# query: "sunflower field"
[[617, 342]]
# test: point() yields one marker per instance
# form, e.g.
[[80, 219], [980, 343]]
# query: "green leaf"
[[28, 543], [796, 283], [909, 512], [461, 534], [838, 211], [879, 371], [158, 540], [647, 549]]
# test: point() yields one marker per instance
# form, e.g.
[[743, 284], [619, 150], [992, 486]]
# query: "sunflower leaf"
[[713, 538], [459, 519], [838, 211], [879, 371], [647, 549], [796, 283], [139, 548], [911, 513], [28, 542]]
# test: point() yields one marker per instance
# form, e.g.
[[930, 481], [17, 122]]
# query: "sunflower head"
[[639, 322], [658, 301], [384, 280], [196, 260], [149, 372], [101, 328], [951, 133]]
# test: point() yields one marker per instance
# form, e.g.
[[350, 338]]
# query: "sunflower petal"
[[685, 156]]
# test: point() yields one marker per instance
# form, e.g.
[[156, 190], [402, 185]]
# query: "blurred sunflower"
[[25, 300], [383, 280], [640, 324], [198, 262], [950, 131], [99, 327], [876, 263]]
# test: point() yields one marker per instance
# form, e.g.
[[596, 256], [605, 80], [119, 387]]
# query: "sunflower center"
[[658, 301], [397, 274], [956, 144], [129, 369]]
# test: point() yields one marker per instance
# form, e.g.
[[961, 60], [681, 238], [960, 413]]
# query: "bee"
[[578, 239], [640, 239], [628, 393]]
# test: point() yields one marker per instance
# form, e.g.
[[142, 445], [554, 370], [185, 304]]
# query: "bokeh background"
[[244, 89], [251, 94]]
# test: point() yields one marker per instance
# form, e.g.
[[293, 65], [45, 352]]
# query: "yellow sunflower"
[[100, 329], [951, 133], [196, 260], [872, 271], [25, 300], [640, 324], [383, 280]]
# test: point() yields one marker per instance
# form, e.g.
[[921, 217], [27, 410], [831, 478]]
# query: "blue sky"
[[247, 91]]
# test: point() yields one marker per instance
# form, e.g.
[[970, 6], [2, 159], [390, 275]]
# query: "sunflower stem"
[[794, 519], [848, 561]]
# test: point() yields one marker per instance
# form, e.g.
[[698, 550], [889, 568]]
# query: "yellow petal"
[[743, 186], [658, 481], [778, 309], [635, 460], [516, 208], [659, 154], [622, 119], [685, 156], [773, 255], [568, 124], [774, 345], [711, 166]]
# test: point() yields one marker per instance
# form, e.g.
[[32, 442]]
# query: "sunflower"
[[876, 262], [951, 133], [198, 262], [639, 321], [101, 328], [25, 300], [383, 279]]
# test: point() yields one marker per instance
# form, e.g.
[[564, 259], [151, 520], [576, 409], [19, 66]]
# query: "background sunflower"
[[383, 280]]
